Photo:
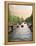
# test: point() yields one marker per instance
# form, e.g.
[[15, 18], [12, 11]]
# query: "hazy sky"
[[21, 10]]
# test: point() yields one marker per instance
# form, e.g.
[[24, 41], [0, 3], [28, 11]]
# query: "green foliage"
[[22, 20], [14, 19], [29, 19]]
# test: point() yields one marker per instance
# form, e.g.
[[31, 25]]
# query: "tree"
[[29, 19], [22, 20], [13, 19]]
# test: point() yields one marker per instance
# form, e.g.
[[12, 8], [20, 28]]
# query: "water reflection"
[[20, 32]]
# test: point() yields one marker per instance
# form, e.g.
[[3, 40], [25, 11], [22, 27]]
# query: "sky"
[[22, 11]]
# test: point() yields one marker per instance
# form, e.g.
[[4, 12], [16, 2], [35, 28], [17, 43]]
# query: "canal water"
[[21, 33]]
